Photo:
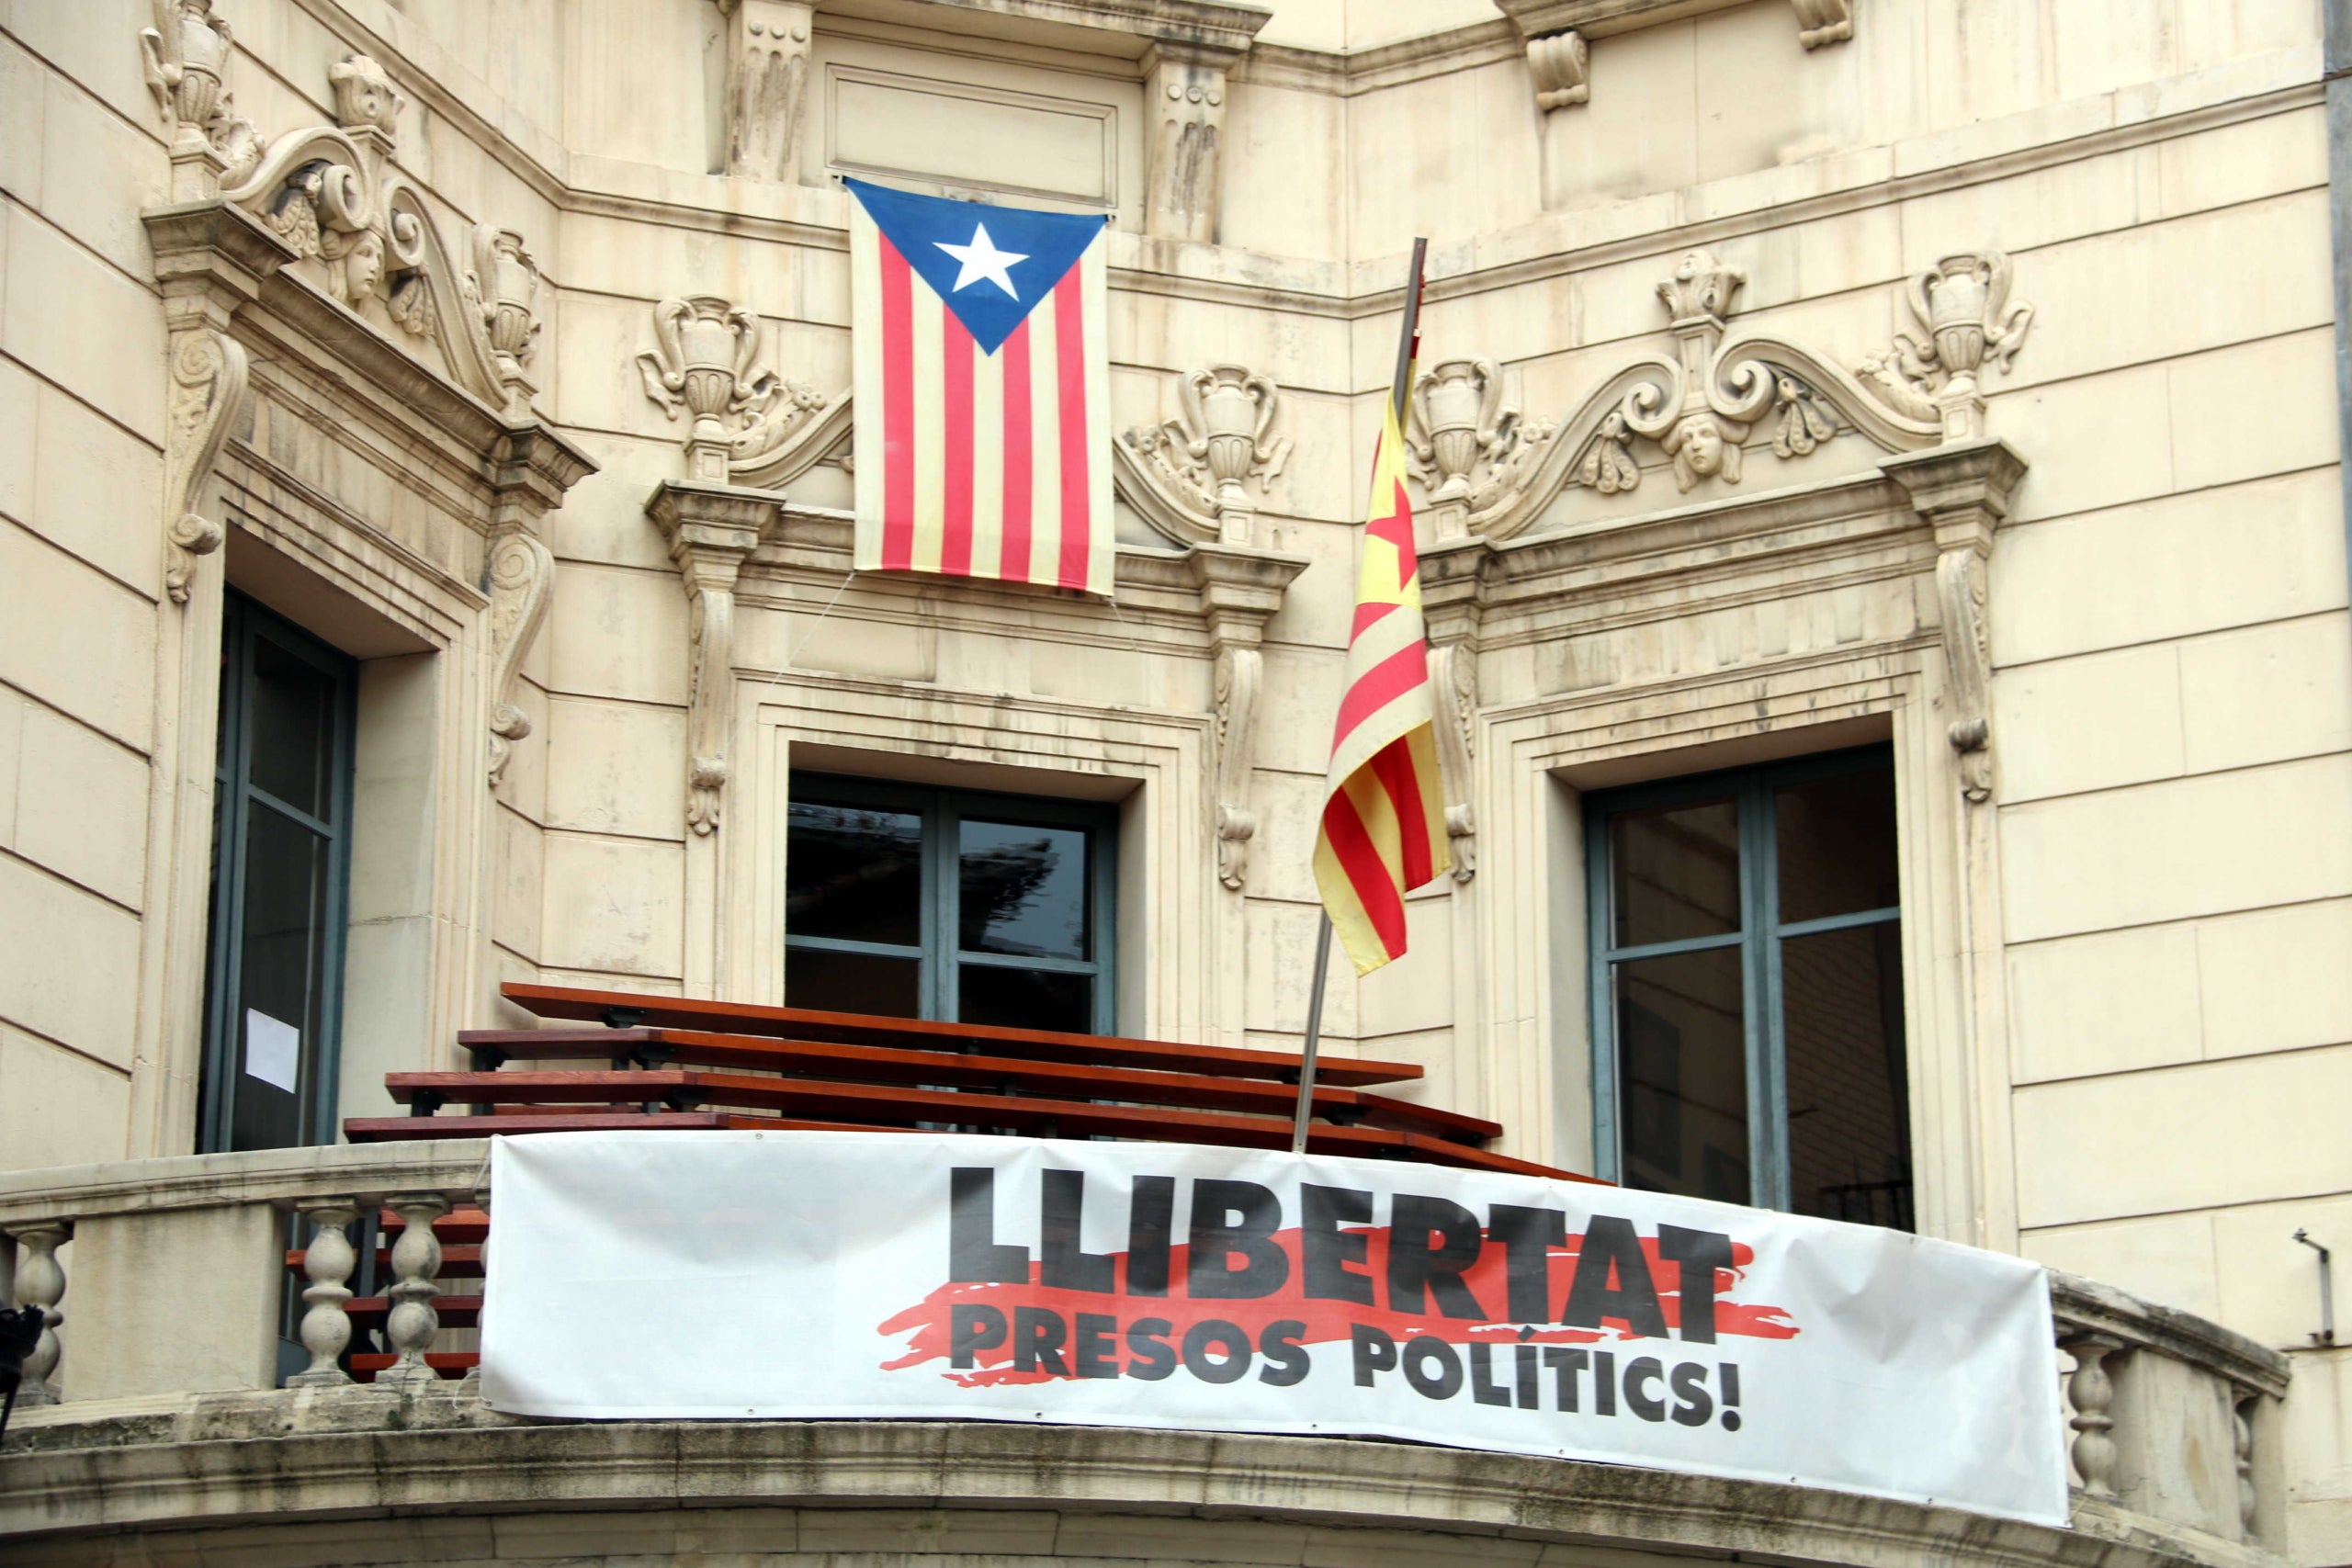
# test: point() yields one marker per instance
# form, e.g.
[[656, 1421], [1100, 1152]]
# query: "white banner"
[[804, 1275]]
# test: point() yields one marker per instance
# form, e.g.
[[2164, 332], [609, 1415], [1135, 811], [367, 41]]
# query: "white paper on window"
[[273, 1051]]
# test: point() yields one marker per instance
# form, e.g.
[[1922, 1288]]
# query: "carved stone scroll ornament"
[[334, 195], [207, 388], [1962, 489], [184, 57], [1823, 21], [1240, 684], [1224, 438], [1699, 411], [708, 364], [522, 581], [711, 531], [1560, 65], [1453, 679], [1966, 320]]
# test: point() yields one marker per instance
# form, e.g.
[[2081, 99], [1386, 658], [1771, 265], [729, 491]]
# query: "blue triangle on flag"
[[991, 264]]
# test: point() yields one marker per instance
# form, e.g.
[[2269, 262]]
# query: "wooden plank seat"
[[627, 1009], [363, 1365], [931, 1069]]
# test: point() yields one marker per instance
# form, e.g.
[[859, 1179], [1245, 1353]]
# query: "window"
[[1747, 988], [280, 844], [929, 903]]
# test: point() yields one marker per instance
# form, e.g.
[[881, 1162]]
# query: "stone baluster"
[[416, 1260], [327, 1327], [2242, 1431], [2092, 1392], [40, 1283]]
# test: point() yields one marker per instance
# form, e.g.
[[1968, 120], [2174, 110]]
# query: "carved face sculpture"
[[1702, 447], [363, 270]]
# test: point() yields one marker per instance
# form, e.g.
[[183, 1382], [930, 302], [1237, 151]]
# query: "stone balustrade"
[[171, 1274]]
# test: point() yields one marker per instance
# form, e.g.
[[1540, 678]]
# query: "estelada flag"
[[981, 388], [1383, 809]]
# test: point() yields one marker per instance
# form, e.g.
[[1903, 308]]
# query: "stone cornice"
[[1221, 28], [285, 1458]]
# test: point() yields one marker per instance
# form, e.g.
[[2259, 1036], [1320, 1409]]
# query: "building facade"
[[1883, 537]]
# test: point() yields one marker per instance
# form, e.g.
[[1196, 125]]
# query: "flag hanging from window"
[[981, 389], [1383, 809]]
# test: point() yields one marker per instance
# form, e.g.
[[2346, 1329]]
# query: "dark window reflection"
[[1837, 845], [1682, 1074], [1849, 1131], [855, 873], [1676, 870], [1022, 889], [1026, 999], [853, 982], [292, 709]]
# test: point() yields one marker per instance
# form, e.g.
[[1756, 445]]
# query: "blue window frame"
[[914, 902], [1746, 984]]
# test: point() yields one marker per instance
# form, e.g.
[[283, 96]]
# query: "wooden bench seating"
[[673, 1064]]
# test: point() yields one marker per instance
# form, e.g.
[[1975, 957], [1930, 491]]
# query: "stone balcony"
[[161, 1435]]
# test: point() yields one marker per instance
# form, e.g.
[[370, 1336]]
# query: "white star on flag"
[[981, 259]]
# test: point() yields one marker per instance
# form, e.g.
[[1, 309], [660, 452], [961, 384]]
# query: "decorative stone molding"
[[1203, 458], [211, 260], [1560, 65], [767, 83], [1823, 21], [708, 364], [1963, 493], [1240, 589], [332, 193], [1558, 34], [1966, 320], [1184, 89], [711, 530], [184, 57], [1453, 574], [530, 472], [1701, 408]]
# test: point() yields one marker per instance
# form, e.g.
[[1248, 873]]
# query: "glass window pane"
[[1682, 1074], [282, 973], [1676, 872], [853, 982], [1837, 845], [1850, 1138], [292, 717], [1026, 999], [855, 873], [1023, 890]]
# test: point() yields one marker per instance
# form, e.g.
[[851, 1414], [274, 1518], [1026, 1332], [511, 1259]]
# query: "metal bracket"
[[2327, 1334]]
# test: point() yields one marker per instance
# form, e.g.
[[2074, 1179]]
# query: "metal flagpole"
[[1397, 387]]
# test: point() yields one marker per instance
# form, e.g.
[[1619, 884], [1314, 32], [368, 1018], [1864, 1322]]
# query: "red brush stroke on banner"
[[928, 1320]]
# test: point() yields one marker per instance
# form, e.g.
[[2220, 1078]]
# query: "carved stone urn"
[[203, 45], [1459, 401], [512, 290], [708, 347], [1957, 294], [1233, 408]]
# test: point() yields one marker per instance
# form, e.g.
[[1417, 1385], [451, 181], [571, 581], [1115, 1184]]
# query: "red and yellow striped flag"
[[1383, 809]]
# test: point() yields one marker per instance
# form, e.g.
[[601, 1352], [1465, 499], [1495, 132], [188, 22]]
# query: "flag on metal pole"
[[1383, 831], [1384, 811], [981, 386]]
